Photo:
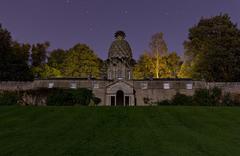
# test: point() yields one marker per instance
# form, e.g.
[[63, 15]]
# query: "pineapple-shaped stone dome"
[[120, 48], [119, 58]]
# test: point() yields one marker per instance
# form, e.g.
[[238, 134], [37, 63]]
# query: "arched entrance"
[[120, 98]]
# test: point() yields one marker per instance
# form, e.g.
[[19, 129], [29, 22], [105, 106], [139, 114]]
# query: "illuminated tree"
[[81, 61], [144, 67], [159, 49]]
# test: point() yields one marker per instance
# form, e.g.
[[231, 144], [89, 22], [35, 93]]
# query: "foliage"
[[169, 66], [96, 100], [56, 59], [45, 71], [208, 97], [69, 97], [201, 97], [213, 49], [164, 103], [81, 61], [227, 100], [13, 59], [21, 50], [185, 70], [39, 53], [8, 98], [158, 49], [143, 68], [215, 96], [173, 64], [182, 99]]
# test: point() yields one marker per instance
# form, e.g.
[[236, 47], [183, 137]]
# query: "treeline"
[[24, 62], [212, 53]]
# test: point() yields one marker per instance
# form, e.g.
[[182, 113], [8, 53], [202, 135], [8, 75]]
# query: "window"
[[73, 85], [144, 85], [166, 86], [119, 74], [51, 85], [95, 86], [129, 75], [189, 86]]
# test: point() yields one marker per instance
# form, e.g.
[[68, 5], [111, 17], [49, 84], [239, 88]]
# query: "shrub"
[[8, 98], [164, 103], [181, 99], [69, 97], [96, 100], [227, 100], [201, 97], [215, 96]]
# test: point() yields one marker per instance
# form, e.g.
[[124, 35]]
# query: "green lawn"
[[112, 131]]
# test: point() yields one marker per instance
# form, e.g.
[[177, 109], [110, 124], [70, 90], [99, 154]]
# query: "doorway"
[[120, 98]]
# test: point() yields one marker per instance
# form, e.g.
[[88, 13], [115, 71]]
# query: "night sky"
[[66, 22]]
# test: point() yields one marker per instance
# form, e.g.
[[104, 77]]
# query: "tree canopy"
[[13, 59], [81, 61], [213, 50]]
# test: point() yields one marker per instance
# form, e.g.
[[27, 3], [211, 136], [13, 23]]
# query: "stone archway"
[[120, 98]]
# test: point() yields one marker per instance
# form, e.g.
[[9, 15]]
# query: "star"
[[124, 12], [68, 1], [166, 13]]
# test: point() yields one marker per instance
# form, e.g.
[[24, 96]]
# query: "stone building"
[[120, 89]]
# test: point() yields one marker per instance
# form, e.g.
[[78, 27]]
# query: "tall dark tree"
[[39, 53], [57, 58], [13, 59], [22, 50], [213, 49]]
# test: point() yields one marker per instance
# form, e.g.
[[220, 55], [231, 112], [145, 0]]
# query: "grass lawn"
[[112, 131]]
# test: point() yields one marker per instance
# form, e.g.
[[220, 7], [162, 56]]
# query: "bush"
[[96, 100], [69, 97], [164, 103], [8, 98], [202, 97], [181, 99], [227, 100], [215, 96]]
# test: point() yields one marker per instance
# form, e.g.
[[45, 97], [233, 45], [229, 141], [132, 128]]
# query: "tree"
[[39, 53], [13, 59], [81, 61], [57, 58], [173, 65], [159, 49], [144, 67], [213, 49], [44, 71], [169, 66], [22, 50]]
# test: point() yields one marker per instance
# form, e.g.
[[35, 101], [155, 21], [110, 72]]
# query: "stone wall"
[[155, 90]]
